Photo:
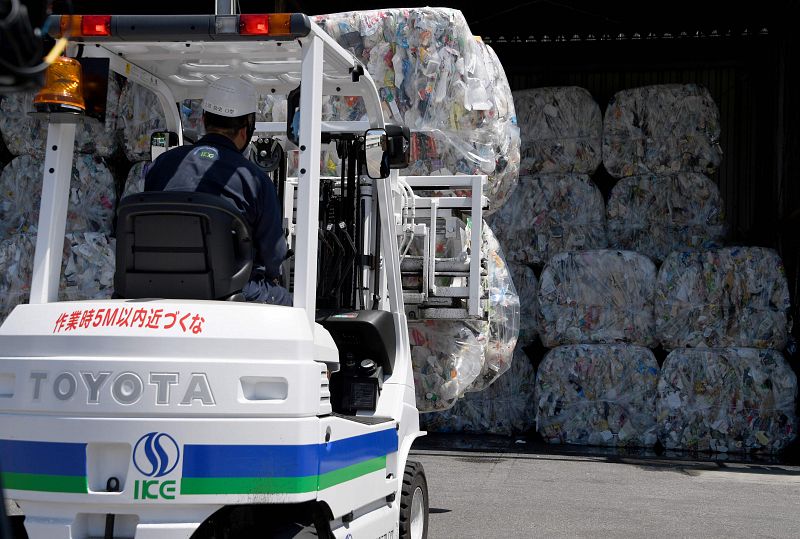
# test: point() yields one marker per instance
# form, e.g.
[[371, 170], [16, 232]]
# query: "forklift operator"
[[215, 165]]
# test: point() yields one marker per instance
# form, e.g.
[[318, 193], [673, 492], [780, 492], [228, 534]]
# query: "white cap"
[[231, 97]]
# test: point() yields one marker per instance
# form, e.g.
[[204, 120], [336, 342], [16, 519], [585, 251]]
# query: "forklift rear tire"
[[414, 503]]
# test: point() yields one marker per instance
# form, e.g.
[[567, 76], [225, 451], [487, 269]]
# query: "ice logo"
[[156, 454]]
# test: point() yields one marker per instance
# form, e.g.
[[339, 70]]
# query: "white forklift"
[[173, 410]]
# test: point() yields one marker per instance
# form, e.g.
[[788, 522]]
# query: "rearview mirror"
[[161, 141], [398, 146], [375, 154]]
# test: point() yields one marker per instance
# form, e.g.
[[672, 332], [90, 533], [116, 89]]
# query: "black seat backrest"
[[181, 245]]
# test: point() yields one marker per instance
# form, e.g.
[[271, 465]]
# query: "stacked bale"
[[598, 395], [662, 142], [25, 134], [725, 386], [735, 296], [598, 384], [661, 129], [656, 215], [434, 77], [596, 297], [90, 216], [550, 214], [556, 207], [88, 263], [727, 400], [560, 129]]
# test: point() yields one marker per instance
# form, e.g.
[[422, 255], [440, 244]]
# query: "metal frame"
[[325, 68], [53, 209], [431, 206]]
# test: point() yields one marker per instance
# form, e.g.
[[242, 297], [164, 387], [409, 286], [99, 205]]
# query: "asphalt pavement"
[[521, 491]]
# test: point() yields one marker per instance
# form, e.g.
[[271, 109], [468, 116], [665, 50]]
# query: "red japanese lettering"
[[174, 317], [74, 318], [86, 319], [124, 317], [140, 317], [154, 318], [60, 323], [197, 324], [183, 326]]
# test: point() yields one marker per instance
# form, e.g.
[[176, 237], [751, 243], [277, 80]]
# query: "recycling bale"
[[598, 394], [734, 296], [435, 78], [87, 268], [25, 134], [661, 129], [727, 400], [561, 130], [505, 408], [655, 215], [594, 297], [140, 115], [549, 214], [91, 201]]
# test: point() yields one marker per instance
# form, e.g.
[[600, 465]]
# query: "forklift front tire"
[[414, 503]]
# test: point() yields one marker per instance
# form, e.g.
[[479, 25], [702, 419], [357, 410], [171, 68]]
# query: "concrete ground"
[[515, 490]]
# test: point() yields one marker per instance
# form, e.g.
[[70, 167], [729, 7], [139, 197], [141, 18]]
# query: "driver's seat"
[[181, 245]]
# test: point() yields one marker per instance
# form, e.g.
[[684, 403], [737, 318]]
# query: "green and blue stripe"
[[43, 466], [211, 469], [281, 469]]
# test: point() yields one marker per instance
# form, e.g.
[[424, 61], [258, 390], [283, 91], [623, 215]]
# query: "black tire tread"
[[413, 476]]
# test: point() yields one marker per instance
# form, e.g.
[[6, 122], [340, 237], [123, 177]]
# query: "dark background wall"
[[747, 56]]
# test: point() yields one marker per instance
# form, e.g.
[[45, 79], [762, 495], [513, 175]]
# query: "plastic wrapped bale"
[[727, 400], [16, 264], [506, 408], [140, 114], [89, 263], [446, 357], [527, 287], [87, 269], [91, 201], [25, 134], [561, 130], [599, 296], [736, 296], [598, 395], [549, 214], [661, 129], [655, 215], [502, 306], [436, 78]]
